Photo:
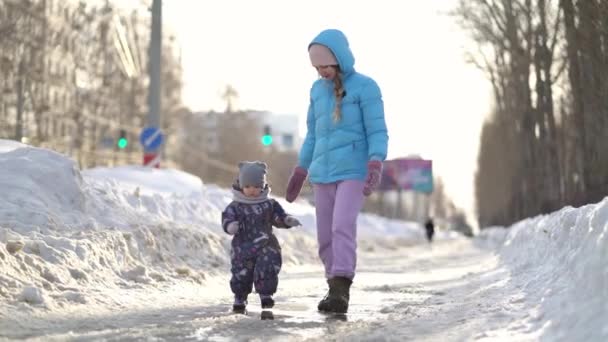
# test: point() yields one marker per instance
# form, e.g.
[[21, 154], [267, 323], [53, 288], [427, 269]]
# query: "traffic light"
[[267, 137], [122, 140]]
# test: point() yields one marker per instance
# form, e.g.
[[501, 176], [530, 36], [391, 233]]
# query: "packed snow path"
[[133, 253], [451, 291]]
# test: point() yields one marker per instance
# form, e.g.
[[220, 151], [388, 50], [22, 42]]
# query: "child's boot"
[[240, 304], [266, 301]]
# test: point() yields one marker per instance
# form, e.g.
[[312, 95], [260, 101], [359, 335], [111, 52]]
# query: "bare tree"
[[503, 29], [550, 147], [230, 95], [494, 178], [586, 35], [73, 74]]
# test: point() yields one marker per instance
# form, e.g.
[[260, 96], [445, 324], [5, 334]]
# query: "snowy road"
[[133, 253], [453, 291]]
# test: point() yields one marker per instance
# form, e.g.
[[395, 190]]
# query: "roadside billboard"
[[407, 174]]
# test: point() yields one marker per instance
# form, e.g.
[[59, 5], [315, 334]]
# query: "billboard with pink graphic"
[[408, 174]]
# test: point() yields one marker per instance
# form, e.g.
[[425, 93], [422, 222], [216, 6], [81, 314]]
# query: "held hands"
[[296, 180], [291, 221], [374, 174], [232, 228]]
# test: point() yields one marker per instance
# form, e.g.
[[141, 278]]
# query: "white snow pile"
[[66, 234], [560, 261], [63, 231]]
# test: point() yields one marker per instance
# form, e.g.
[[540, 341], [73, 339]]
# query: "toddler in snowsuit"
[[256, 254]]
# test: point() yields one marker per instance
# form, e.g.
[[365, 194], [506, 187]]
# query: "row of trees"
[[544, 145], [73, 74]]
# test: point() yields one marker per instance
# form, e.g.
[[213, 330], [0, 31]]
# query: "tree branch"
[[493, 10], [562, 67], [555, 32]]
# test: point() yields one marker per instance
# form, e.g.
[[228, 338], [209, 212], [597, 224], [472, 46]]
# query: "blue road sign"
[[151, 138]]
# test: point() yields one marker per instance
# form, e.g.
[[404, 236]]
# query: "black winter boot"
[[337, 297], [266, 301], [324, 303], [240, 305]]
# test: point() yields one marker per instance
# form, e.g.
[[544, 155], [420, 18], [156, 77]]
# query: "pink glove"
[[374, 174], [296, 181]]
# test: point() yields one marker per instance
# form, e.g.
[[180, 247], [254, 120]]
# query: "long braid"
[[339, 93]]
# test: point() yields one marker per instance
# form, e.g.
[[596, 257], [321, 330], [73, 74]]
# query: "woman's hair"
[[339, 93]]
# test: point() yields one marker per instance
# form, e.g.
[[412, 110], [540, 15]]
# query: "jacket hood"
[[337, 42]]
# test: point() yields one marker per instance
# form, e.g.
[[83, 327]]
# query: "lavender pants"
[[337, 207]]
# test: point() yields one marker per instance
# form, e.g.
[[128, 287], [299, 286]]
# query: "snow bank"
[[150, 181], [10, 145], [64, 231], [561, 262], [39, 188], [492, 237]]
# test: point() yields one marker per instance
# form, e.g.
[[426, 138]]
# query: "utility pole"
[[155, 64], [20, 100], [154, 90]]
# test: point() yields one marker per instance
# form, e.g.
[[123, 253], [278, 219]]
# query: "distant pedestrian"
[[429, 226]]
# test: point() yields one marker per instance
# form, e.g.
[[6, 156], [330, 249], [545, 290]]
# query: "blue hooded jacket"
[[334, 151]]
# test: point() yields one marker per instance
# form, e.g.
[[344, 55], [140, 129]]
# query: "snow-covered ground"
[[112, 253], [559, 262], [76, 238]]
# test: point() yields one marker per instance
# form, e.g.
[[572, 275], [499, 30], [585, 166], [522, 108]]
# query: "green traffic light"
[[122, 143], [267, 140]]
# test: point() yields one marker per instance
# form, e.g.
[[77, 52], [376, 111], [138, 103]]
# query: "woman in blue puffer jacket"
[[342, 154]]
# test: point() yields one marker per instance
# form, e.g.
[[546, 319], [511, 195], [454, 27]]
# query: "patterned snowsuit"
[[256, 254]]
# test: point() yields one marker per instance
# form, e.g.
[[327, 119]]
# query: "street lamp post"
[[154, 90]]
